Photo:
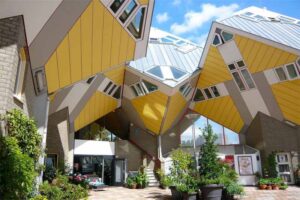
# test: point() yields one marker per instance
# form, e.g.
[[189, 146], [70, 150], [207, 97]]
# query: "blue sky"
[[191, 19]]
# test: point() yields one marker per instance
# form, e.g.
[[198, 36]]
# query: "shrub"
[[25, 131], [62, 189], [17, 173], [39, 197], [49, 174]]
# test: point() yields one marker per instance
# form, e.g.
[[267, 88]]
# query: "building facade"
[[77, 66]]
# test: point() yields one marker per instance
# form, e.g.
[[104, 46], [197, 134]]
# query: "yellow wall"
[[214, 70], [116, 75], [259, 56], [96, 107], [287, 95], [221, 110], [95, 43], [151, 108], [143, 2], [175, 106]]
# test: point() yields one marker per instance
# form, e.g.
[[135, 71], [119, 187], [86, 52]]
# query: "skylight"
[[166, 73]]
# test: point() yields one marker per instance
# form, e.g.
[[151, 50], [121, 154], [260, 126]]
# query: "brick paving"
[[252, 193]]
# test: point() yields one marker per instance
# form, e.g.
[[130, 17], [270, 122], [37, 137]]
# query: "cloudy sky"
[[191, 19]]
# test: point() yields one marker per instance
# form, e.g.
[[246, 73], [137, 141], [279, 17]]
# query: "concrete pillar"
[[159, 152]]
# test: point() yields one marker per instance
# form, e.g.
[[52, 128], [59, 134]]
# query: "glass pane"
[[215, 91], [116, 5], [217, 40], [156, 71], [181, 89], [247, 78], [292, 71], [187, 91], [151, 87], [231, 137], [199, 96], [107, 86], [166, 40], [139, 89], [241, 63], [136, 26], [128, 10], [218, 130], [281, 74], [117, 94], [227, 36], [231, 66], [286, 177], [134, 90], [112, 89], [284, 168], [177, 73], [208, 94], [238, 80]]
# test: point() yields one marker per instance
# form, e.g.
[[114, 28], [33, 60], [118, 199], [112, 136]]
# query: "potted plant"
[[209, 167], [276, 182], [263, 183], [141, 179], [183, 177], [130, 182]]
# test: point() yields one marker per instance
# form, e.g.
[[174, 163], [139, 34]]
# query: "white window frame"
[[123, 9], [288, 74], [129, 20], [120, 9], [144, 90], [285, 72], [203, 93], [239, 71], [212, 92], [20, 76]]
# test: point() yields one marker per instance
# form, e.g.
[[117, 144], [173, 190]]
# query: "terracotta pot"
[[275, 187], [262, 187], [269, 187], [133, 186]]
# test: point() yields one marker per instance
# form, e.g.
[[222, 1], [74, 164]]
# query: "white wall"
[[91, 147]]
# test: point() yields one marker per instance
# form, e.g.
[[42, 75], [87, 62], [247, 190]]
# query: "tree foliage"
[[17, 173], [209, 165], [25, 131]]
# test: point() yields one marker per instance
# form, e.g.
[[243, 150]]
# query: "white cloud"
[[176, 2], [162, 17], [201, 40], [194, 20]]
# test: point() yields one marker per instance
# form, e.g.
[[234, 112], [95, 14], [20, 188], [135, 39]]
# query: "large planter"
[[176, 195], [191, 196], [212, 192]]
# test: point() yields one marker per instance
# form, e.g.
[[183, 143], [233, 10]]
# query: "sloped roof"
[[165, 49], [270, 25]]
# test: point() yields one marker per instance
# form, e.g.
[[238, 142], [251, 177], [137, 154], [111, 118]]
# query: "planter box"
[[212, 192]]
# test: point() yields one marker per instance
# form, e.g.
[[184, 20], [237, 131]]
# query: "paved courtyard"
[[118, 193]]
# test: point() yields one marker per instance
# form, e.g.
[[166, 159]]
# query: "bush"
[[49, 174], [62, 189], [25, 131], [39, 197], [17, 173]]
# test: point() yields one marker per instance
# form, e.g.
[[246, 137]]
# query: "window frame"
[[238, 70], [220, 38], [143, 90], [133, 12], [203, 94], [130, 19], [119, 10], [287, 71], [21, 73]]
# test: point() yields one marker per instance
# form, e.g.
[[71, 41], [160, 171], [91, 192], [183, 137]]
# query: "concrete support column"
[[159, 152]]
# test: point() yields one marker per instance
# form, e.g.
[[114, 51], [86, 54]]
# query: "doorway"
[[120, 170]]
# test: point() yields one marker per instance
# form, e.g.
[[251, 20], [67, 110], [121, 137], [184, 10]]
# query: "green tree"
[[17, 173], [209, 166], [25, 131]]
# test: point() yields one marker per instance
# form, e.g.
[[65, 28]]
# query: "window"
[[107, 87], [208, 94], [281, 74], [128, 10], [292, 72], [217, 40], [20, 73], [142, 88], [199, 96], [185, 89], [116, 5], [241, 75], [298, 63], [117, 93], [215, 91], [90, 80], [226, 36], [151, 87], [136, 25], [112, 89], [166, 72]]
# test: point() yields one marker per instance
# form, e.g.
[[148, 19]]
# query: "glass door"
[[284, 167], [120, 169]]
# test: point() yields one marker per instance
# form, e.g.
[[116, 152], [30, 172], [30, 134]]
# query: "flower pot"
[[269, 187], [176, 195], [212, 192], [190, 196], [275, 187], [262, 187], [133, 186]]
